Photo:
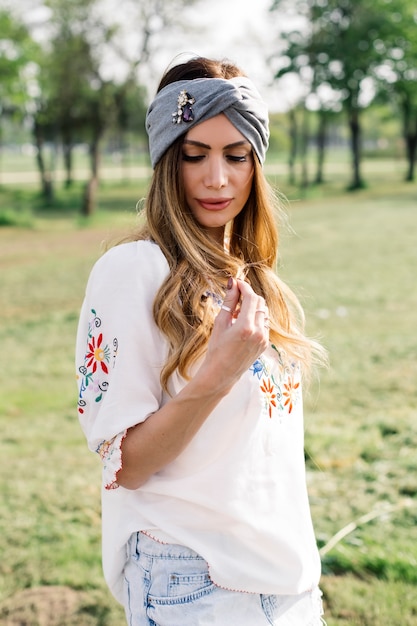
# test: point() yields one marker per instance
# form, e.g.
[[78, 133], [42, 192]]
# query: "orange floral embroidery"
[[268, 389], [290, 393], [280, 391]]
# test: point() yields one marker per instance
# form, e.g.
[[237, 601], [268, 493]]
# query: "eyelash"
[[237, 159], [191, 159], [198, 158]]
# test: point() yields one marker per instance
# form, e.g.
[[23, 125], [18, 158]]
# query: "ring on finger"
[[226, 308]]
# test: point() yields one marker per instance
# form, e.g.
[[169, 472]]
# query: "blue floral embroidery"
[[257, 368], [217, 300]]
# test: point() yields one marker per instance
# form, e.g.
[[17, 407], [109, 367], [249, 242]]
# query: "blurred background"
[[340, 79]]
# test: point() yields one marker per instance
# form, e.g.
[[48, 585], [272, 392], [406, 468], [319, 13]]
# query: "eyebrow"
[[200, 144]]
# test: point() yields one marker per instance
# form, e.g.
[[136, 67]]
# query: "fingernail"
[[230, 283]]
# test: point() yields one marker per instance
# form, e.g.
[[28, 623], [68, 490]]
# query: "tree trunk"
[[90, 197], [355, 137], [321, 146], [304, 149], [411, 152], [67, 133], [90, 192], [1, 155], [46, 178], [293, 146], [67, 147]]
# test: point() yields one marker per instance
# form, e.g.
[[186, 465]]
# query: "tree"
[[398, 73], [16, 47], [301, 59], [140, 30], [17, 51], [131, 108], [82, 98], [69, 106], [337, 43]]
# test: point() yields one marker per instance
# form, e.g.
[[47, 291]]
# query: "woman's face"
[[217, 170]]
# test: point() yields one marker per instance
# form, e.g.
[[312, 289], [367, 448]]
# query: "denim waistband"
[[145, 544]]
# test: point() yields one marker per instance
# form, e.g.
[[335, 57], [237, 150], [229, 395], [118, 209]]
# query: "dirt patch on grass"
[[46, 606]]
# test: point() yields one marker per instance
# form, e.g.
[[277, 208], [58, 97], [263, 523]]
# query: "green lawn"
[[352, 260]]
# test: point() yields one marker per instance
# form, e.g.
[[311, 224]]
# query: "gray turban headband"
[[185, 103]]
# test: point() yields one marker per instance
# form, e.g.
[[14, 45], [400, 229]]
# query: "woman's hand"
[[239, 336]]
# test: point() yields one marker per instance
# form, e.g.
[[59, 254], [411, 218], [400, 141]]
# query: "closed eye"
[[192, 159], [237, 159]]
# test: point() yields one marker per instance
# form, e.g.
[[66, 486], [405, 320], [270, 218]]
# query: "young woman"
[[190, 355]]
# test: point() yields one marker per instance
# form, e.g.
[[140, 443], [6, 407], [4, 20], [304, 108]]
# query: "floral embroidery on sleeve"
[[111, 455], [100, 356], [279, 384], [95, 370]]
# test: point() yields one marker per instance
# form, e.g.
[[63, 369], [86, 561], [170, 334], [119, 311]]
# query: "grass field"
[[352, 259]]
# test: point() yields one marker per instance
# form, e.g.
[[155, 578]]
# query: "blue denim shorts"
[[170, 585]]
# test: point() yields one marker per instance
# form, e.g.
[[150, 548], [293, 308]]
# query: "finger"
[[248, 299], [262, 315], [251, 303], [250, 323], [262, 311], [230, 301], [266, 318]]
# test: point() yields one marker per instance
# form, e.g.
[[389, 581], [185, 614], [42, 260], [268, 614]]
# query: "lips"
[[214, 204]]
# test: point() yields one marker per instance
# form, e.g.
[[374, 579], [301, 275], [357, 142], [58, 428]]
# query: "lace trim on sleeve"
[[111, 455]]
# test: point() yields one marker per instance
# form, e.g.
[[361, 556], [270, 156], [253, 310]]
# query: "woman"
[[190, 353]]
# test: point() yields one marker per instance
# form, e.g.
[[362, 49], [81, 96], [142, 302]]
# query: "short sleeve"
[[119, 349]]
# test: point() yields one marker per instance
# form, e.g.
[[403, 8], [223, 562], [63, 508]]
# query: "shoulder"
[[125, 254], [129, 262]]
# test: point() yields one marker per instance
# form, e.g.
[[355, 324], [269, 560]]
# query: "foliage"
[[152, 21], [339, 52], [16, 53], [77, 99], [75, 103], [398, 73]]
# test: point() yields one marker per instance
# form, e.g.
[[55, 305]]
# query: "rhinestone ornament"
[[184, 112]]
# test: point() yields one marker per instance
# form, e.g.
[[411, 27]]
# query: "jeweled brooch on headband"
[[184, 112]]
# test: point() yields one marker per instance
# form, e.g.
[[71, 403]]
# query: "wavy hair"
[[199, 267]]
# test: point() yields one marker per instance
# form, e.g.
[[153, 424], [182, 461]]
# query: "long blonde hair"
[[199, 265]]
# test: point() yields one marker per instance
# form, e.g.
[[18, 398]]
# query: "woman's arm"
[[232, 349]]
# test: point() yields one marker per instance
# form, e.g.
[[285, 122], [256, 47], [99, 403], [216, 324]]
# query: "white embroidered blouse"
[[237, 494]]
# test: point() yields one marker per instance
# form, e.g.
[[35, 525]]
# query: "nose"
[[216, 173]]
